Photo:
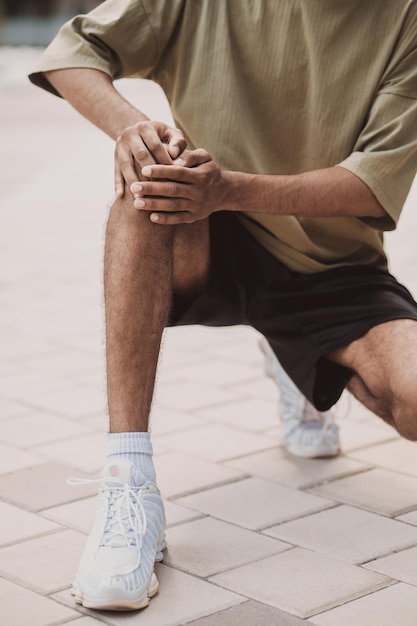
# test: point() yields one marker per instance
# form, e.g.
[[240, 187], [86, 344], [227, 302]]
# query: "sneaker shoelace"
[[126, 520]]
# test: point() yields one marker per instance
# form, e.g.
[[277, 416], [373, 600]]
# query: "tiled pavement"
[[255, 537]]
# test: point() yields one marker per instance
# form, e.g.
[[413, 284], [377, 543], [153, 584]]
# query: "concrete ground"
[[255, 537]]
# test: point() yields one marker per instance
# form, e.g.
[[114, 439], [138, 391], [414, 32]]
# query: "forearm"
[[91, 93], [331, 192], [139, 141]]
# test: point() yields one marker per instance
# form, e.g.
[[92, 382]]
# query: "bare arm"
[[180, 194], [329, 192], [92, 94], [139, 141]]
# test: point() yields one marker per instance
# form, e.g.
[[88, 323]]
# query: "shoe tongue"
[[122, 470]]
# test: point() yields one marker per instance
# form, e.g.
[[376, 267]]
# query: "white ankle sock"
[[137, 448]]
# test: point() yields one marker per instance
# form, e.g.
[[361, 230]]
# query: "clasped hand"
[[190, 189], [144, 143], [174, 185]]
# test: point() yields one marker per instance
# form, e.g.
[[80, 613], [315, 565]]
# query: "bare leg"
[[384, 362], [143, 261], [138, 277]]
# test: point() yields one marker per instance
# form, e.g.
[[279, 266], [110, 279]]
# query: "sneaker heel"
[[162, 545]]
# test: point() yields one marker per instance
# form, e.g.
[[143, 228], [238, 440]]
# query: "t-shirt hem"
[[388, 222], [38, 78]]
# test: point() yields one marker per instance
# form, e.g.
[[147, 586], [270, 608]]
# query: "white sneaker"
[[116, 570], [306, 431]]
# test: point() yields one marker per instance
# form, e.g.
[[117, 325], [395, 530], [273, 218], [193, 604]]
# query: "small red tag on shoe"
[[114, 470]]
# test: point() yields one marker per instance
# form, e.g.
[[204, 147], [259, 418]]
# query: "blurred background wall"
[[35, 22]]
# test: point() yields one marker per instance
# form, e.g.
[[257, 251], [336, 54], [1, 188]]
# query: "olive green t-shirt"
[[275, 87]]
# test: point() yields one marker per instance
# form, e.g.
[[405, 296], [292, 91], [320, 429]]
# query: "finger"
[[162, 189], [141, 153], [158, 205], [172, 172], [128, 171], [176, 142], [171, 219], [119, 183], [192, 158], [155, 147]]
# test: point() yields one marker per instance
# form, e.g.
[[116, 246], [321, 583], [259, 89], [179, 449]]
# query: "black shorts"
[[303, 316]]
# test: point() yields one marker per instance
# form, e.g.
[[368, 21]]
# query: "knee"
[[125, 219], [404, 412]]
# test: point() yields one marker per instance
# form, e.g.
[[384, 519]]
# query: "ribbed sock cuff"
[[136, 448], [129, 443]]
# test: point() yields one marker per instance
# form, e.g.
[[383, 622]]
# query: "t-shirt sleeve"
[[121, 39], [385, 154]]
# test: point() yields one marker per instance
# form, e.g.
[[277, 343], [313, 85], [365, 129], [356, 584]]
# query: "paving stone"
[[74, 402], [409, 518], [96, 423], [78, 515], [43, 486], [262, 388], [171, 359], [13, 459], [17, 524], [85, 453], [11, 408], [192, 339], [207, 546], [252, 414], [199, 337], [215, 442], [158, 448], [189, 396], [21, 606], [179, 474], [176, 514], [274, 433], [86, 621], [164, 420], [401, 566], [249, 613], [243, 347], [219, 372], [395, 605], [181, 599], [347, 534], [300, 582], [255, 503], [71, 362], [355, 434], [279, 466], [28, 385], [399, 456], [37, 428], [378, 490], [53, 561]]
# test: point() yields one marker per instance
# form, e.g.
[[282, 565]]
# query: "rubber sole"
[[116, 602], [117, 599], [318, 454]]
